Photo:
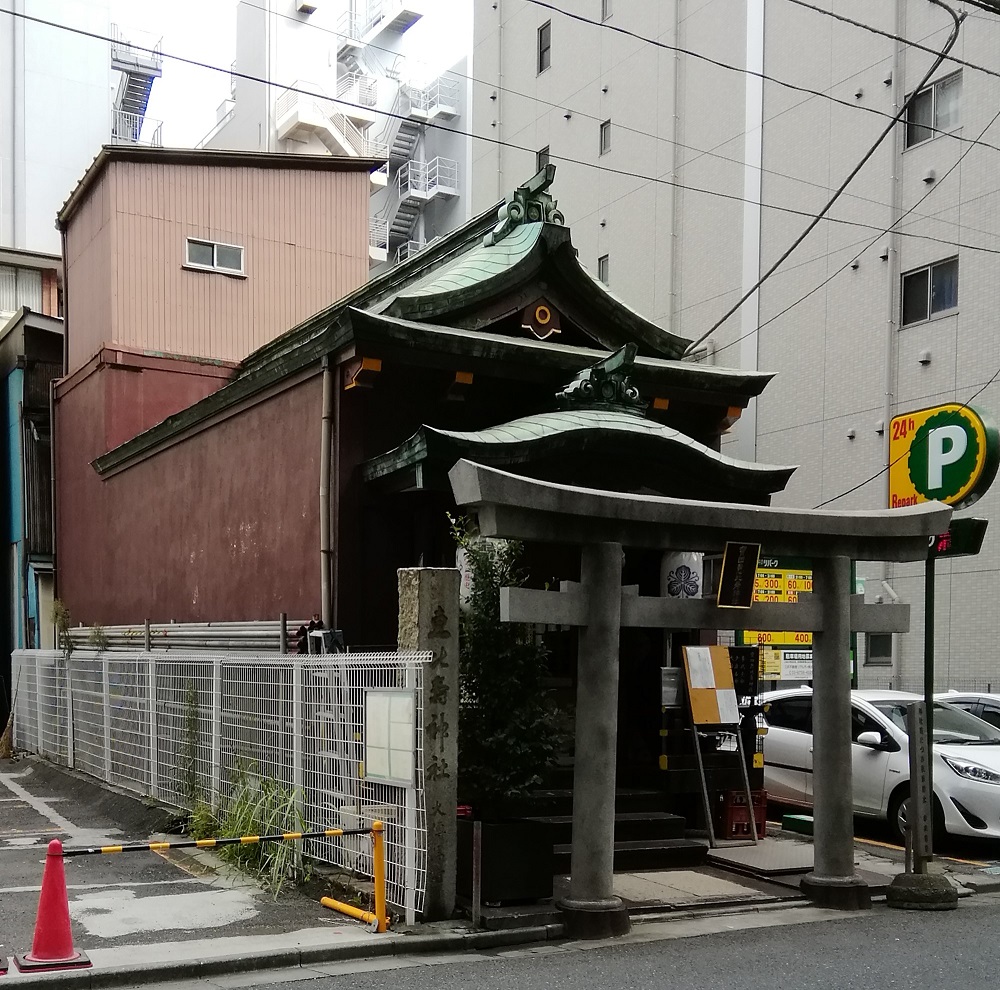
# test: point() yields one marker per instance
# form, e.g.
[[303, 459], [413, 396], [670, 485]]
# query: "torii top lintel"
[[514, 507]]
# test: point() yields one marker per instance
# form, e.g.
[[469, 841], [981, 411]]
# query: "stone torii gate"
[[602, 523]]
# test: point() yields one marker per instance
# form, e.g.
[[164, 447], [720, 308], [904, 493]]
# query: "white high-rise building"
[[381, 79], [684, 180], [64, 94]]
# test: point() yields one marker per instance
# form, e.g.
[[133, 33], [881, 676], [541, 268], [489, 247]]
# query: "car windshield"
[[951, 725]]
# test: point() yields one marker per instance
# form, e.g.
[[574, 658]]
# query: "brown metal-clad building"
[[179, 264], [299, 222]]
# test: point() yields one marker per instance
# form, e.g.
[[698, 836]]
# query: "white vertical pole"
[[154, 750], [410, 809], [297, 730], [107, 720], [216, 731], [39, 708], [70, 743]]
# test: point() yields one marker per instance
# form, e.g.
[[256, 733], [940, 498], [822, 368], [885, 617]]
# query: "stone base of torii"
[[605, 525]]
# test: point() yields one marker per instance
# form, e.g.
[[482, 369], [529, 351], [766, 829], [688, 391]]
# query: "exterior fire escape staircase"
[[140, 64], [416, 183]]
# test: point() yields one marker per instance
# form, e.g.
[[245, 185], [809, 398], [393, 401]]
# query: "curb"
[[393, 945], [399, 944]]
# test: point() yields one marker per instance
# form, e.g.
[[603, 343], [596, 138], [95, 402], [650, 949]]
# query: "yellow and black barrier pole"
[[378, 918], [242, 840]]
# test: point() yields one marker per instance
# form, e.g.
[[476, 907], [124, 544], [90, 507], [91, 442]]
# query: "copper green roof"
[[479, 265], [669, 460]]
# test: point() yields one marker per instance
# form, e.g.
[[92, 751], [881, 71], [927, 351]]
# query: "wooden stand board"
[[713, 705]]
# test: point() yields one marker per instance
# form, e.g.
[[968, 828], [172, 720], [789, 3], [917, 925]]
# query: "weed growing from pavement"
[[258, 805]]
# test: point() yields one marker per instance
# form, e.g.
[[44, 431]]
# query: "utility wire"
[[896, 37], [964, 405], [566, 108], [604, 25], [496, 142], [811, 226], [888, 230]]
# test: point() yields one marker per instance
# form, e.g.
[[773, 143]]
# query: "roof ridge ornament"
[[606, 384], [529, 203]]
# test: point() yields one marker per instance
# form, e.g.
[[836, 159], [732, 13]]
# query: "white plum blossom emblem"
[[682, 583]]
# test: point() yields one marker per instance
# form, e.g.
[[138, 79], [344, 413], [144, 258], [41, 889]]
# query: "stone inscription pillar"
[[833, 881], [592, 909], [428, 620]]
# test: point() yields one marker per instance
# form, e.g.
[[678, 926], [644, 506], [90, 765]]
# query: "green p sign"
[[947, 453]]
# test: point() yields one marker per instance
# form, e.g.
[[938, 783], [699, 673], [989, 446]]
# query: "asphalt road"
[[879, 950]]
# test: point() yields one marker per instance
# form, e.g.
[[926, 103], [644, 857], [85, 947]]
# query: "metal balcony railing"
[[134, 128], [315, 102], [141, 50], [359, 88], [443, 92], [355, 24], [407, 249], [364, 146], [378, 232], [427, 179]]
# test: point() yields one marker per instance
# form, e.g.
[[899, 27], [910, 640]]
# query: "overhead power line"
[[811, 226], [497, 142], [888, 230], [565, 107], [784, 83], [906, 41]]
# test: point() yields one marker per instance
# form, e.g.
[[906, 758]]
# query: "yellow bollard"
[[378, 855], [351, 911]]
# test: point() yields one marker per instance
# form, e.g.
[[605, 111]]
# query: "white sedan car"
[[966, 760], [984, 706]]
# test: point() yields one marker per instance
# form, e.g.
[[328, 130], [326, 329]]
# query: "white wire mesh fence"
[[222, 721]]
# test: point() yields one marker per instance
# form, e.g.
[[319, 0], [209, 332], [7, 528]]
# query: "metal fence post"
[[298, 788], [107, 720], [70, 744], [154, 750], [38, 705], [216, 731]]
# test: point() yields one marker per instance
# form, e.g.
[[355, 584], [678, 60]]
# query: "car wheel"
[[899, 816]]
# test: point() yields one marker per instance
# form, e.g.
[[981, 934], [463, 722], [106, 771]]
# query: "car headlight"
[[972, 770]]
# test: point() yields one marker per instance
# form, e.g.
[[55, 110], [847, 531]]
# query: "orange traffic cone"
[[52, 947]]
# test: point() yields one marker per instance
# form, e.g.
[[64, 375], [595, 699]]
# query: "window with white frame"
[[603, 272], [545, 46], [935, 109], [214, 256], [20, 287], [929, 291], [605, 144]]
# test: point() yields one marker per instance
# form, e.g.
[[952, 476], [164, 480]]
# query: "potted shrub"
[[507, 730]]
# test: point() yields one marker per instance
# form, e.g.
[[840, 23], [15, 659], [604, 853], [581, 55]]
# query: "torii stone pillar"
[[601, 523], [592, 901]]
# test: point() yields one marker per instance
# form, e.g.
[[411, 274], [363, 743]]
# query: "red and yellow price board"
[[779, 581]]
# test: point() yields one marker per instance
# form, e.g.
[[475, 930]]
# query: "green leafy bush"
[[508, 734]]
